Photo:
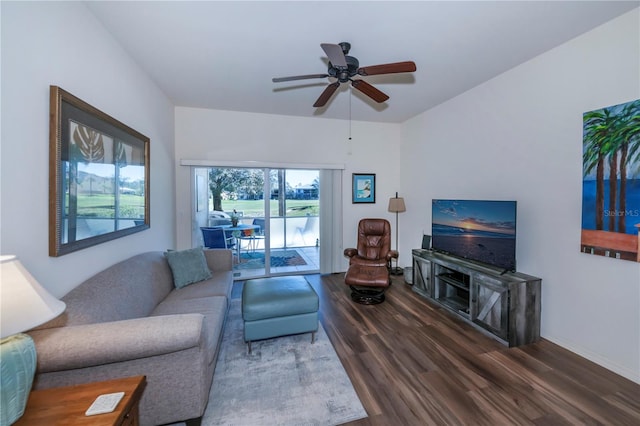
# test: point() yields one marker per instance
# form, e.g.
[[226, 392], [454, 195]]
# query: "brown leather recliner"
[[369, 263]]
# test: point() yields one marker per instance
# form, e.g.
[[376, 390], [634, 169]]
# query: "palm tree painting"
[[611, 182]]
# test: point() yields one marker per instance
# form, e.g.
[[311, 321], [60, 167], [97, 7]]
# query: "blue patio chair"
[[215, 237]]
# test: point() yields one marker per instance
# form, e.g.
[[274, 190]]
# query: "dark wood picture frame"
[[363, 188], [98, 176]]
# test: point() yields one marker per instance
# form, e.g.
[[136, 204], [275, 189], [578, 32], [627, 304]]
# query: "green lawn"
[[102, 205], [132, 206], [255, 208]]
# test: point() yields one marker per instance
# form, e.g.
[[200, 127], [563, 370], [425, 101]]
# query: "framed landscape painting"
[[98, 176], [364, 188], [611, 182]]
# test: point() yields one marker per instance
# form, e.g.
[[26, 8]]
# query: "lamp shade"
[[396, 205], [24, 303]]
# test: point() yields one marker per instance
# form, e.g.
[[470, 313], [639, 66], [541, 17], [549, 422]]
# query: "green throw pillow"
[[188, 266]]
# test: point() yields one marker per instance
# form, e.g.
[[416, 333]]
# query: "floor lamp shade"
[[396, 205], [24, 304]]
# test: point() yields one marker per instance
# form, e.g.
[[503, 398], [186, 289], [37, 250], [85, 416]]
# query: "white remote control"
[[104, 403]]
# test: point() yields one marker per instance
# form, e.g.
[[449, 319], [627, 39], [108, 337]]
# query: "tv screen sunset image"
[[478, 230]]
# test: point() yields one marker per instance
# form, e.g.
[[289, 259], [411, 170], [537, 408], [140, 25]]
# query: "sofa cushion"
[[188, 266], [217, 285], [214, 310], [81, 346], [202, 306]]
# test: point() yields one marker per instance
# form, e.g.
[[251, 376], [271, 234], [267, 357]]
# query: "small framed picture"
[[364, 188]]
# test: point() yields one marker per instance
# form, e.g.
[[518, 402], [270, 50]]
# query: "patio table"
[[237, 232]]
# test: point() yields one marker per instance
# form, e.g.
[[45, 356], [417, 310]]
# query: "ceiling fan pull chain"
[[350, 96]]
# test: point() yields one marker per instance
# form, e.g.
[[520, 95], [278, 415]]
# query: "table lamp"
[[24, 304], [396, 205]]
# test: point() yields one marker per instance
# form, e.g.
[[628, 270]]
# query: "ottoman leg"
[[249, 346], [313, 337]]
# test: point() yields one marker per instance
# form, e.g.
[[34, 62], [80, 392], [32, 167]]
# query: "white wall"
[[62, 44], [203, 134], [519, 136]]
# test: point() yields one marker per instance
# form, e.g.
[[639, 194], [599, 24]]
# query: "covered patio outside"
[[295, 248]]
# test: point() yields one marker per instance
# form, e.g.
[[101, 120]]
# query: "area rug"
[[285, 381], [255, 260]]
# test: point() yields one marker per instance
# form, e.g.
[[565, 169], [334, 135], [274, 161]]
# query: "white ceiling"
[[222, 55]]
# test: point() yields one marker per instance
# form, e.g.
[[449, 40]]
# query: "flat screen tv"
[[480, 230]]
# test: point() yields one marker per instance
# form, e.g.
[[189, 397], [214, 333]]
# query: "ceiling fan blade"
[[298, 77], [369, 90], [335, 54], [396, 67], [326, 95]]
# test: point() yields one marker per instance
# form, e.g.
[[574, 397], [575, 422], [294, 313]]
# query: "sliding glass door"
[[270, 217]]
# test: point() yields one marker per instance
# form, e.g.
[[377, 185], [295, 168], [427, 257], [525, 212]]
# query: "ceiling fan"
[[344, 68]]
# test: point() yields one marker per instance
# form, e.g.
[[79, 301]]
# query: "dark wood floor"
[[413, 363]]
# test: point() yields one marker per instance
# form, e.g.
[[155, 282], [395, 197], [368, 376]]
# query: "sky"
[[130, 172], [303, 177]]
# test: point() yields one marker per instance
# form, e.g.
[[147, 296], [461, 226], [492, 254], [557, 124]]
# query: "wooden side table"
[[67, 405]]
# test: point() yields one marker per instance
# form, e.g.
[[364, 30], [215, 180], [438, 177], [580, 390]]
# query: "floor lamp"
[[396, 205]]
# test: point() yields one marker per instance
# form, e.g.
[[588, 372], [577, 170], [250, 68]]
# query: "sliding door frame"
[[331, 213]]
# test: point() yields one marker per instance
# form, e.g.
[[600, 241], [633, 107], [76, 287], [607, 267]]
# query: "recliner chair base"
[[367, 296]]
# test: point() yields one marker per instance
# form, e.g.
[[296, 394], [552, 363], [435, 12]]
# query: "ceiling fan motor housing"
[[343, 74]]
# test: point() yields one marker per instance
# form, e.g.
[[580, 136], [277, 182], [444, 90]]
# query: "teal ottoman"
[[278, 306]]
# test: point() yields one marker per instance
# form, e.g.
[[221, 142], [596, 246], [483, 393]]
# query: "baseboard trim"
[[623, 371]]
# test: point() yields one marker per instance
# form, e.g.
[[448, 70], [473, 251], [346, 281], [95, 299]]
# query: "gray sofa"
[[130, 320]]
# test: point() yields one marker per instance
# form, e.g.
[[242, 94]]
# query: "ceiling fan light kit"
[[344, 67]]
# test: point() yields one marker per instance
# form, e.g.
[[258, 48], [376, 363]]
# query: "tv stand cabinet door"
[[490, 306], [422, 277]]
